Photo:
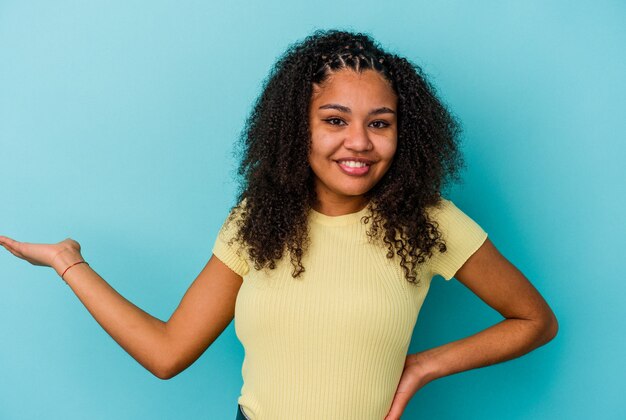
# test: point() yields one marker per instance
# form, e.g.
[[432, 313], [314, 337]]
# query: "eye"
[[379, 124], [334, 121]]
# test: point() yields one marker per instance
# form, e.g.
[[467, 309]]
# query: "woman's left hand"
[[413, 378]]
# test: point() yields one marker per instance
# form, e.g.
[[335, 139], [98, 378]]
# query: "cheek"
[[321, 146], [388, 151], [316, 154]]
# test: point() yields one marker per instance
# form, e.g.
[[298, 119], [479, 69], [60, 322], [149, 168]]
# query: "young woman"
[[328, 256]]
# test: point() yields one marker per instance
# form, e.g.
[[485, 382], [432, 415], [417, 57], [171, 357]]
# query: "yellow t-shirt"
[[331, 344]]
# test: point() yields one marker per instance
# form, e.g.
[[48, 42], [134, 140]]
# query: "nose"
[[357, 139]]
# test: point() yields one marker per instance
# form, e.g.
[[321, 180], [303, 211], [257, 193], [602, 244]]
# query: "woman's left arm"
[[529, 323]]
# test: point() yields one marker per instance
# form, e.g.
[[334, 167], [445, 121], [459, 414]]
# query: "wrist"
[[65, 259], [426, 364]]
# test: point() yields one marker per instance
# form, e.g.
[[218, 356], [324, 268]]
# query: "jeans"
[[240, 415]]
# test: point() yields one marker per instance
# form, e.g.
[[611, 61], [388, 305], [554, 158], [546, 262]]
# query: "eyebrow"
[[345, 109]]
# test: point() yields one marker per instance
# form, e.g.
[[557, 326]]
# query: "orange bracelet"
[[79, 262]]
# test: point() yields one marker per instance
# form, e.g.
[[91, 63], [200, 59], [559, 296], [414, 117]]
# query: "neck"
[[340, 207]]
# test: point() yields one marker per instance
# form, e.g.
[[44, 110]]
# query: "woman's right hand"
[[57, 256], [164, 348]]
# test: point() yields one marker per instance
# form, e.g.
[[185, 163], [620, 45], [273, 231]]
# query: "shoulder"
[[461, 234], [228, 247], [450, 218], [233, 221], [443, 208]]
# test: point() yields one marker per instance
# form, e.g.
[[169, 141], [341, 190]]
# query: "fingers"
[[5, 240], [12, 252], [17, 248], [10, 245], [400, 401]]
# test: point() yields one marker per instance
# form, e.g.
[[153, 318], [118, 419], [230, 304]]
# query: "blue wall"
[[117, 121]]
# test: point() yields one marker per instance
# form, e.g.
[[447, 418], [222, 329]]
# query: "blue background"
[[117, 121]]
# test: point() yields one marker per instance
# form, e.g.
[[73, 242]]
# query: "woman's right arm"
[[164, 348]]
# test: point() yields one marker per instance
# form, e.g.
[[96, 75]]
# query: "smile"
[[354, 167], [353, 163]]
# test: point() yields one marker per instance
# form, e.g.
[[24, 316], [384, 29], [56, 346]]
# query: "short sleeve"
[[463, 236], [231, 252]]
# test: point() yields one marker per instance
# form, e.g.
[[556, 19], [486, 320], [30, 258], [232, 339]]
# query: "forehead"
[[350, 85]]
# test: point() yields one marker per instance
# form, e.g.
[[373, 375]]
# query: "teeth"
[[353, 164]]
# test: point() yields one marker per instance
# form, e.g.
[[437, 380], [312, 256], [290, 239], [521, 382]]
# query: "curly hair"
[[276, 188]]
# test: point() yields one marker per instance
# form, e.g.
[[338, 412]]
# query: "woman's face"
[[353, 121]]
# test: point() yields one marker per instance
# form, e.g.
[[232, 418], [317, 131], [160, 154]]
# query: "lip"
[[348, 170]]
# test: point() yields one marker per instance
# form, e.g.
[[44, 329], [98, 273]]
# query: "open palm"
[[39, 254]]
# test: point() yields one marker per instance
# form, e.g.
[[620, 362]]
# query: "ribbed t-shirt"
[[332, 343]]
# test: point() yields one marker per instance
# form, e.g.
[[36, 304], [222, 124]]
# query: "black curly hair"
[[276, 189]]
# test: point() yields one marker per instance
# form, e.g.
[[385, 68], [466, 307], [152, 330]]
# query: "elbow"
[[549, 327], [169, 362], [165, 370], [163, 374], [554, 328]]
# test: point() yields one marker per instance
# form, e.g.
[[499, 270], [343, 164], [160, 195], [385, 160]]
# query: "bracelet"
[[79, 262]]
